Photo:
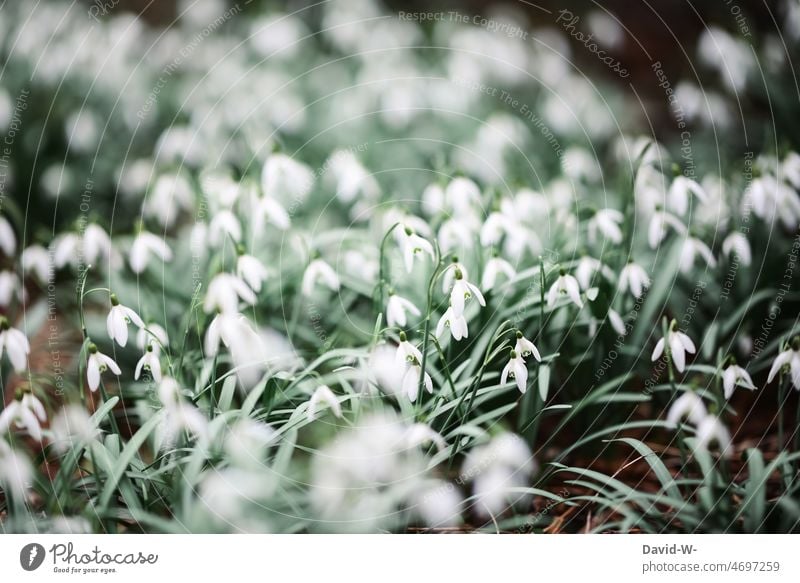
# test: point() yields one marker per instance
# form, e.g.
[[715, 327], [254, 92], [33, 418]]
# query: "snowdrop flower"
[[607, 221], [457, 324], [319, 270], [495, 226], [790, 357], [585, 270], [494, 267], [421, 434], [565, 284], [680, 192], [412, 245], [286, 179], [461, 195], [15, 344], [144, 245], [407, 352], [72, 426], [8, 241], [149, 362], [517, 369], [687, 406], [224, 225], [634, 277], [97, 244], [25, 412], [118, 319], [323, 394], [711, 429], [617, 323], [735, 375], [736, 243], [251, 271], [771, 198], [693, 246], [98, 363], [525, 347], [269, 210], [36, 259], [170, 195], [352, 179], [396, 309], [247, 441], [235, 333], [438, 504], [659, 222], [152, 335], [463, 291], [679, 345], [224, 293], [16, 472], [411, 380], [455, 234], [179, 416], [10, 287], [449, 274]]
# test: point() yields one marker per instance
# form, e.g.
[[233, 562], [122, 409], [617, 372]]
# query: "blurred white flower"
[[687, 406], [711, 429], [252, 271], [98, 363], [396, 309], [607, 222], [285, 179], [438, 504], [25, 412], [565, 284], [319, 270], [411, 380], [421, 434], [170, 195], [734, 375], [455, 234], [679, 346], [224, 293], [143, 246], [72, 427], [10, 287], [789, 357], [352, 180], [152, 335], [692, 246], [36, 259], [635, 278], [457, 324], [224, 227], [680, 193], [516, 369], [118, 319], [617, 323], [247, 441], [8, 241], [16, 471], [494, 267], [323, 394], [73, 249], [737, 244], [15, 344], [462, 291], [269, 210], [659, 222]]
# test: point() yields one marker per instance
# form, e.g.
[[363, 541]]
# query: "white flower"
[[711, 429], [525, 347], [319, 270], [15, 343], [66, 249], [407, 352], [170, 195], [688, 405], [396, 309], [8, 241], [252, 271], [72, 426], [118, 319], [736, 375], [679, 346], [98, 363], [323, 394], [449, 274], [152, 335], [463, 291], [461, 195], [179, 418], [457, 324], [634, 277], [143, 246], [149, 362], [789, 357], [286, 179], [659, 222], [737, 244], [607, 221], [565, 284], [16, 472], [680, 192], [235, 333], [494, 267], [455, 234], [352, 179], [268, 210], [422, 434], [224, 226], [224, 293], [247, 441], [412, 245], [518, 370], [691, 248], [617, 323], [411, 381], [25, 412], [96, 244], [495, 226], [10, 287], [439, 504], [36, 259], [585, 270]]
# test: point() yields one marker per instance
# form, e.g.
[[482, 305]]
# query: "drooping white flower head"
[[152, 335], [323, 394], [617, 323], [733, 376], [635, 278], [687, 406], [516, 369], [224, 227], [16, 471], [72, 427], [565, 284], [269, 211], [407, 352], [659, 221], [15, 344], [411, 380], [421, 434], [679, 346], [149, 362], [607, 222], [455, 234], [36, 259], [251, 271], [247, 441], [412, 245], [449, 274], [8, 241], [494, 267], [25, 412], [144, 245], [98, 363], [285, 179], [692, 246], [680, 193], [97, 245], [711, 430], [319, 270], [457, 324], [118, 319], [224, 293], [789, 357], [736, 244], [462, 291], [171, 194], [396, 308], [10, 287]]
